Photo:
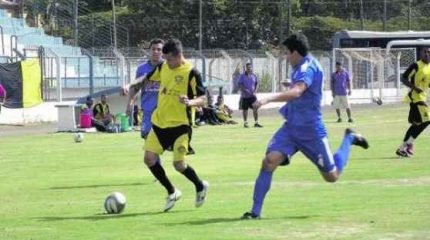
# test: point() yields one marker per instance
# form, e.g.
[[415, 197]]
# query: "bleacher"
[[74, 65]]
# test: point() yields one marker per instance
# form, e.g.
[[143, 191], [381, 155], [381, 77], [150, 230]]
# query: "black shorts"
[[418, 113], [246, 103]]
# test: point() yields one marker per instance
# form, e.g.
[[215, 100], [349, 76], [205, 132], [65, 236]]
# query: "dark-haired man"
[[149, 93], [341, 89], [181, 88], [248, 85], [304, 131], [417, 78]]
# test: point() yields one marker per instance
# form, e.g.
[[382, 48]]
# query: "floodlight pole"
[[76, 14], [409, 14], [361, 15], [200, 25], [114, 25], [385, 16]]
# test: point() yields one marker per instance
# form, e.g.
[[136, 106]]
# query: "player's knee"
[[150, 159], [269, 164], [180, 166]]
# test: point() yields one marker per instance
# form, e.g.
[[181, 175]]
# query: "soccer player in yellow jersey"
[[181, 88], [417, 78]]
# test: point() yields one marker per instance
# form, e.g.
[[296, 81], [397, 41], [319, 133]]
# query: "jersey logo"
[[179, 79]]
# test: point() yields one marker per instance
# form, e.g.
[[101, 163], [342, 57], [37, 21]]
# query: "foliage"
[[245, 24], [265, 84]]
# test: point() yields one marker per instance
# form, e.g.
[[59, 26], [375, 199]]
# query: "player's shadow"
[[235, 219], [96, 186], [102, 216]]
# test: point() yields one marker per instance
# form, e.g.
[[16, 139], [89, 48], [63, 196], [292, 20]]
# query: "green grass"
[[53, 188]]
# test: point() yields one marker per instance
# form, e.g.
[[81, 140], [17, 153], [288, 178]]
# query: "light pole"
[[200, 24], [114, 24], [76, 12]]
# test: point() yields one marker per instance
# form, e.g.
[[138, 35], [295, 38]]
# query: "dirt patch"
[[30, 129]]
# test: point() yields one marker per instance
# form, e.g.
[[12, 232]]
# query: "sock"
[[192, 176], [342, 154], [410, 140], [262, 186], [159, 173], [409, 132]]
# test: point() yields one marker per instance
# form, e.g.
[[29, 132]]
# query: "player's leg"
[[342, 154], [419, 118], [255, 112], [245, 112], [348, 108], [153, 149], [180, 149], [277, 153], [336, 105], [319, 152]]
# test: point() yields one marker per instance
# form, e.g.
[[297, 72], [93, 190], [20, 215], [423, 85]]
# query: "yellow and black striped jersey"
[[183, 80], [419, 75]]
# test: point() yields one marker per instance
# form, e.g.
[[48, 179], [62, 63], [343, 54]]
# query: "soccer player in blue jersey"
[[149, 94], [304, 130]]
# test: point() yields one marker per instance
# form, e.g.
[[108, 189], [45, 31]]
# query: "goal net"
[[374, 73]]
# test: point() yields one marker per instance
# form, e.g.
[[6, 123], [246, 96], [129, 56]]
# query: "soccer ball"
[[79, 137], [115, 203], [377, 101]]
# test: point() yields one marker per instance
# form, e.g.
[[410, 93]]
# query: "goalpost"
[[375, 72]]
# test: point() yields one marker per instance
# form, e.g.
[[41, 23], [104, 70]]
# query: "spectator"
[[223, 112], [248, 84], [101, 111], [341, 89], [207, 113]]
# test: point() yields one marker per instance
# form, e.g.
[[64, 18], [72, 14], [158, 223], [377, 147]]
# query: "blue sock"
[[262, 186], [342, 154]]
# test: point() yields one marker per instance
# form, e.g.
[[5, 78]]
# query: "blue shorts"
[[316, 149], [146, 123]]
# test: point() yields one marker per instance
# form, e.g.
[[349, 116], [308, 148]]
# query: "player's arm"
[[134, 88], [195, 82], [407, 76], [292, 93]]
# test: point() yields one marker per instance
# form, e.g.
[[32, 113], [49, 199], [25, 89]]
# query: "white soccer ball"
[[79, 137], [115, 203]]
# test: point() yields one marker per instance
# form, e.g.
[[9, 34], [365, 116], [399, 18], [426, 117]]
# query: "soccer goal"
[[375, 72]]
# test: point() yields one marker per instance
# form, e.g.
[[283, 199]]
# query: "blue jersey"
[[304, 113], [149, 94]]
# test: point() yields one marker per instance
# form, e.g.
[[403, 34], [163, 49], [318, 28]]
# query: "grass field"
[[53, 188]]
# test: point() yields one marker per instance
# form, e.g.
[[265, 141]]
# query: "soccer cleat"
[[249, 216], [402, 153], [339, 120], [350, 120], [245, 125], [201, 196], [358, 139], [409, 149], [257, 125], [171, 200]]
